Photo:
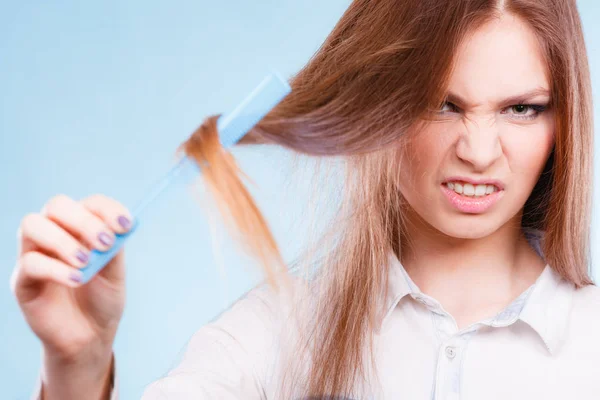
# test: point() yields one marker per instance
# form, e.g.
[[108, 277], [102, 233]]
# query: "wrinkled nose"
[[479, 144]]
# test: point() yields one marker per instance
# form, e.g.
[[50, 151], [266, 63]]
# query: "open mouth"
[[471, 198], [470, 190]]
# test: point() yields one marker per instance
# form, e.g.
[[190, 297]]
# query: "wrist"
[[96, 352], [88, 376]]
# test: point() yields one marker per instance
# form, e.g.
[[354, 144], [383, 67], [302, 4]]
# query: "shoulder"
[[257, 316], [586, 302], [235, 354], [585, 315]]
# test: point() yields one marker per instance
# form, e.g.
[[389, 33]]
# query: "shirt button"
[[450, 352]]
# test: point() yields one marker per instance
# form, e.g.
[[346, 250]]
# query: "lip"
[[495, 182], [471, 205]]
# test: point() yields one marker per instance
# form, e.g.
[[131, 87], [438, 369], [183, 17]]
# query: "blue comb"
[[232, 127]]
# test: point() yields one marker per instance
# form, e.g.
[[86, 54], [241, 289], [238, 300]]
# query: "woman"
[[461, 266]]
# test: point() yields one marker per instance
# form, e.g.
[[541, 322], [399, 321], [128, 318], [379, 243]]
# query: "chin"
[[466, 227]]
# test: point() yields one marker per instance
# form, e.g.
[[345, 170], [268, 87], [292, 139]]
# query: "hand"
[[73, 321]]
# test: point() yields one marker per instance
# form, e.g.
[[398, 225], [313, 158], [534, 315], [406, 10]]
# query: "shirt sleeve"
[[228, 358]]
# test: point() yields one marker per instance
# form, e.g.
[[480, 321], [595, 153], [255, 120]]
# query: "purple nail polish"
[[124, 222], [81, 256], [75, 277], [105, 239]]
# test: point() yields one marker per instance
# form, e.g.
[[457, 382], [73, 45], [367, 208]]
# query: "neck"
[[471, 278]]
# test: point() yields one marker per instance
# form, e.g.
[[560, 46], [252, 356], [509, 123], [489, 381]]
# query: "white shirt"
[[544, 345]]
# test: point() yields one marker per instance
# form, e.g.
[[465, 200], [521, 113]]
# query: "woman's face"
[[470, 170]]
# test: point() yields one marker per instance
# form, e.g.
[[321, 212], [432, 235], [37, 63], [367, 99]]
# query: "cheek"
[[421, 161], [527, 151]]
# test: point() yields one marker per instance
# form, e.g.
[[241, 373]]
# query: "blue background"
[[95, 97]]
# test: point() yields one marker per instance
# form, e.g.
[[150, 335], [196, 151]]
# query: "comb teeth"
[[233, 126]]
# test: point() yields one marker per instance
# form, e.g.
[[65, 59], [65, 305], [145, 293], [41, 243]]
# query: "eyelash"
[[538, 108]]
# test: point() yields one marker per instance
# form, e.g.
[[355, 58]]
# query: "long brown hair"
[[384, 66]]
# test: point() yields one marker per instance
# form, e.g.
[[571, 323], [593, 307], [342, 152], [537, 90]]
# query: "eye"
[[447, 107], [520, 108], [526, 111]]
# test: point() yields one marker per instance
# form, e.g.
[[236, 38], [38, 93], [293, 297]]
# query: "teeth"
[[479, 190], [470, 190]]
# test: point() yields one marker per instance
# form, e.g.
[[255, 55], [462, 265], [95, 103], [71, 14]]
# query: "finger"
[[34, 268], [113, 213], [78, 220], [119, 218], [51, 238]]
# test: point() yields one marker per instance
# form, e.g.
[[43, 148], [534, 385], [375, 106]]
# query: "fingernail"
[[124, 222], [105, 239], [81, 256], [76, 277]]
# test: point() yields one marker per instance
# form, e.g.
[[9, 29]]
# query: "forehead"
[[500, 59]]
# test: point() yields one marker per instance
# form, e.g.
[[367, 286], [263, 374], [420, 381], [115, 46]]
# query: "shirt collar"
[[399, 285], [548, 307], [545, 306]]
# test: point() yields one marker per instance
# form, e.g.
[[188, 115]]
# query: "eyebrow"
[[518, 99]]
